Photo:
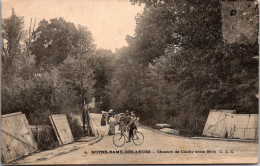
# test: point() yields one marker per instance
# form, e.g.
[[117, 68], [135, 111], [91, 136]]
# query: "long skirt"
[[111, 128], [103, 122]]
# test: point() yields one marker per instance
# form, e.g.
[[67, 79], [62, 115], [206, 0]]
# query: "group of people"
[[126, 121], [106, 116]]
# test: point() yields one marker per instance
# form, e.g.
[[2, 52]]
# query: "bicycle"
[[120, 138]]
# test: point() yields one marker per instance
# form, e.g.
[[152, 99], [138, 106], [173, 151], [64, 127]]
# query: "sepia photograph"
[[129, 82]]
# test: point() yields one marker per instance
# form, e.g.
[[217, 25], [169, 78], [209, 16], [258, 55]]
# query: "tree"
[[60, 44], [103, 67], [53, 41], [177, 64], [70, 72], [12, 35]]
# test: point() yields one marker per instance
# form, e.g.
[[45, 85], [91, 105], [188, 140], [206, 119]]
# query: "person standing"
[[127, 119], [110, 112], [117, 117], [131, 125], [103, 119], [107, 117], [112, 124], [122, 122]]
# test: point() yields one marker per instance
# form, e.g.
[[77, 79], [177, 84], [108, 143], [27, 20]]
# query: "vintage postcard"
[[129, 82]]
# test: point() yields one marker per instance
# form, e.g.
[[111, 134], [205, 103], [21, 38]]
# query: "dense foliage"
[[178, 67], [175, 68], [12, 34], [50, 82]]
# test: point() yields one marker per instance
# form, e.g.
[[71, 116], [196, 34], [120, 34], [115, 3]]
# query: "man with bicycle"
[[130, 123]]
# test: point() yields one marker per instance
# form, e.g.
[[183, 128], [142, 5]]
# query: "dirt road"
[[159, 149]]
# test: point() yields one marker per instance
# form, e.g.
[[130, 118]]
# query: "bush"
[[76, 128], [40, 93], [45, 138], [43, 131], [39, 97]]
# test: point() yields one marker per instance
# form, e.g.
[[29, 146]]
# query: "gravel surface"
[[158, 148]]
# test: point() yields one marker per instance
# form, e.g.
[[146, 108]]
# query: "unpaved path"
[[150, 152]]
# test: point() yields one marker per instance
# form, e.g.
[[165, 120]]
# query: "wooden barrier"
[[16, 137], [242, 126], [62, 129], [215, 125]]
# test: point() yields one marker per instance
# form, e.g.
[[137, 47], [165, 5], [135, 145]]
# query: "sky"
[[108, 20]]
